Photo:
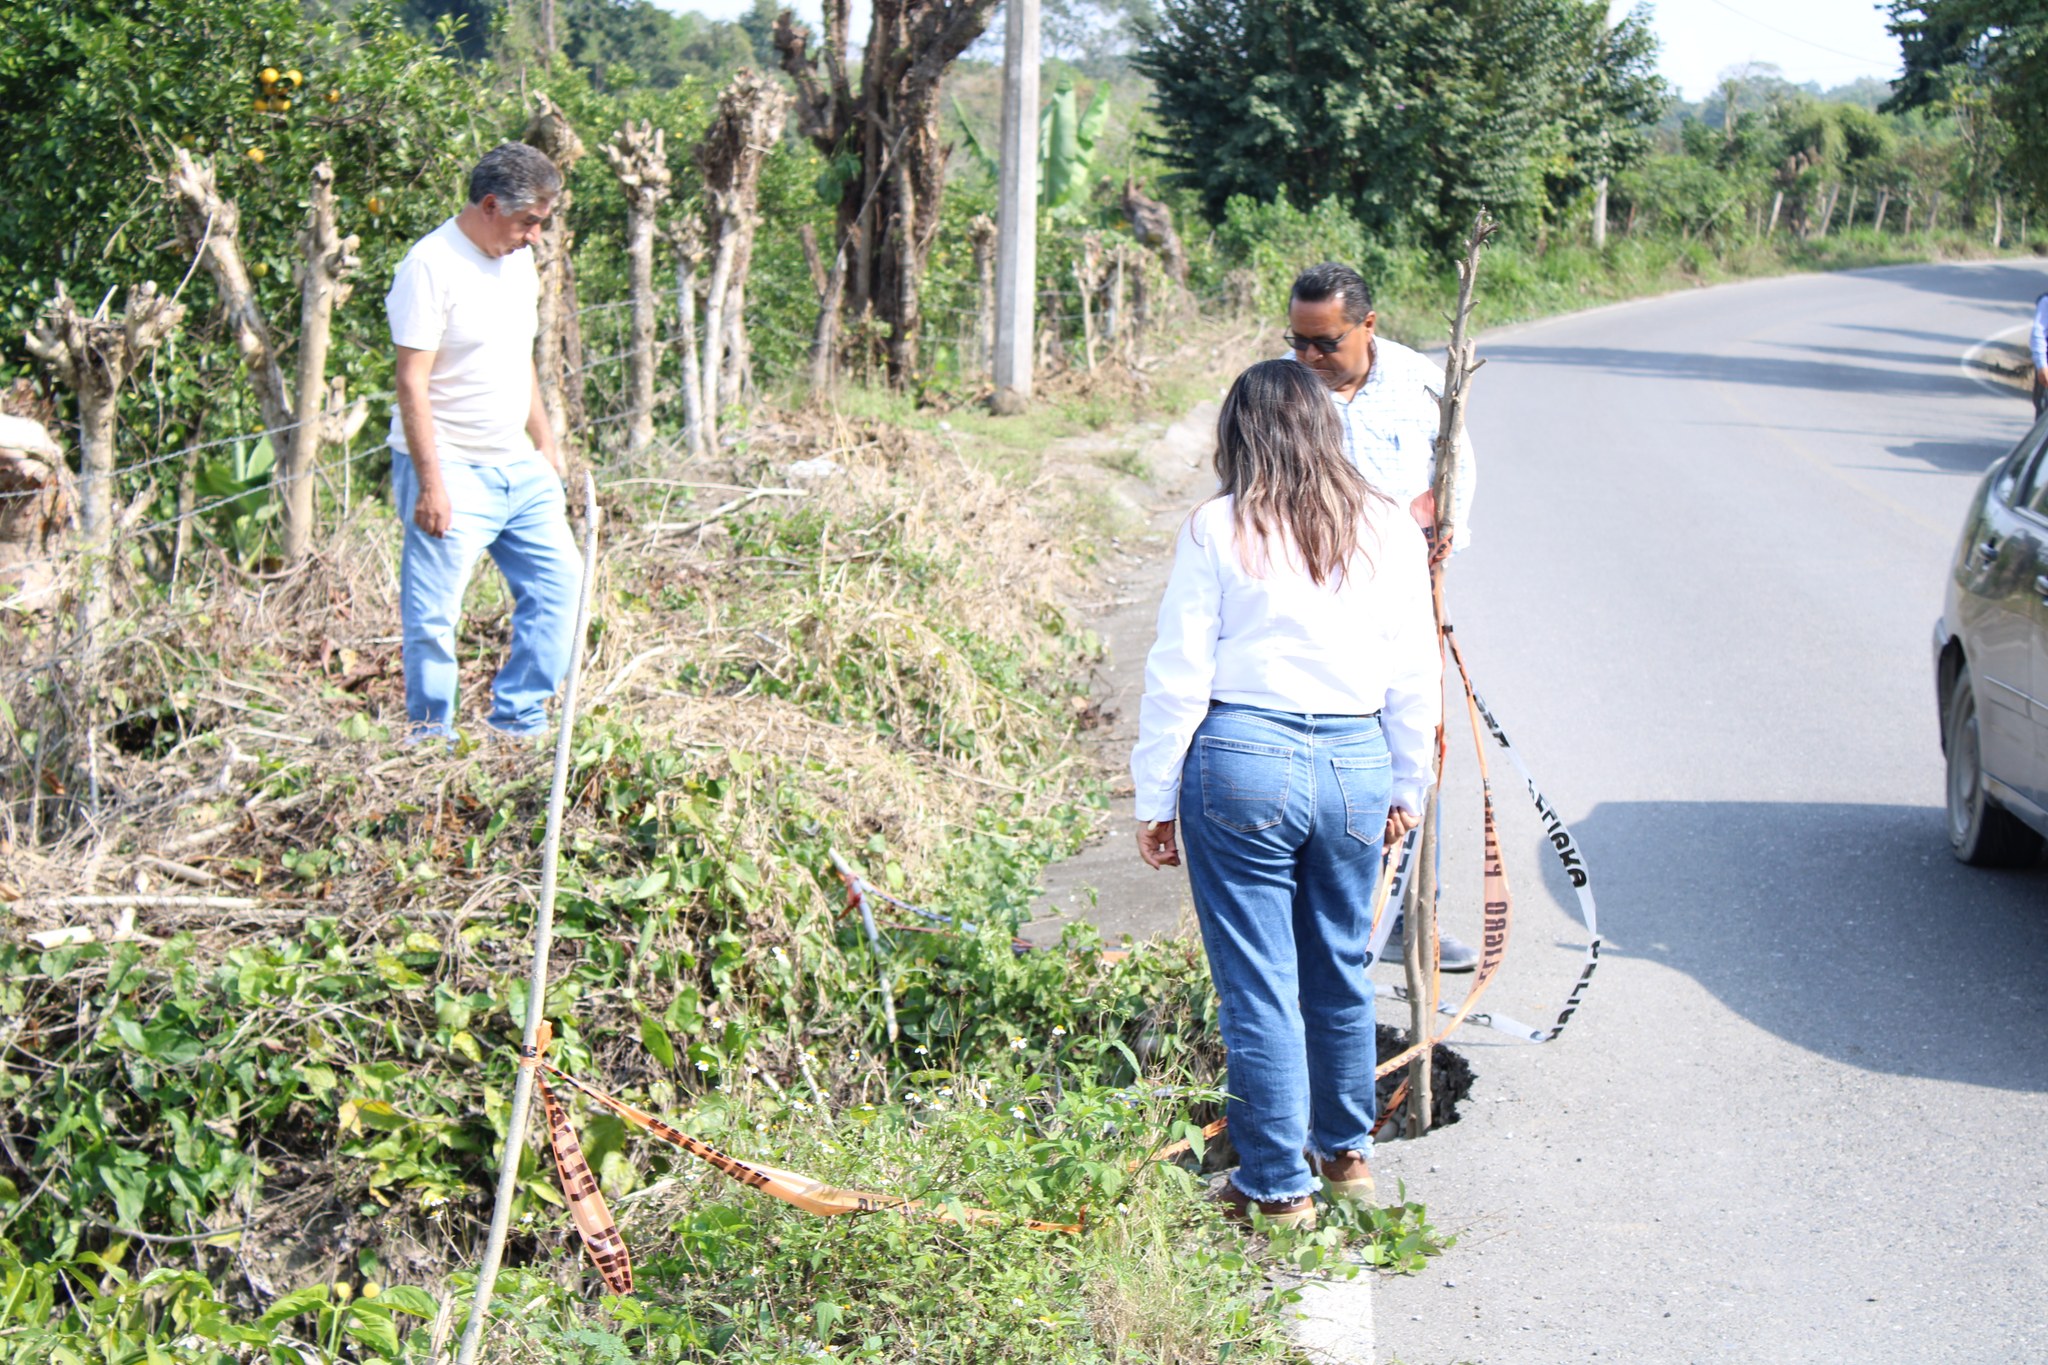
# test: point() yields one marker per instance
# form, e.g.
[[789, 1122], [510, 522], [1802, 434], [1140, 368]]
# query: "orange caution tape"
[[600, 1232]]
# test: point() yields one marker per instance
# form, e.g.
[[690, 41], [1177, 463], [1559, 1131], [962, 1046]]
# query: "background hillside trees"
[[1410, 114]]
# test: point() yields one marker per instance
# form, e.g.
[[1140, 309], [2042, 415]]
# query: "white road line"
[[1967, 362]]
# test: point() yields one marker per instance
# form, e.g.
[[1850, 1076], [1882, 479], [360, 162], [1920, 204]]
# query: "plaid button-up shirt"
[[1390, 428]]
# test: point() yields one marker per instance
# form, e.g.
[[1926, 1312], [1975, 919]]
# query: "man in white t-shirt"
[[474, 468], [1386, 400]]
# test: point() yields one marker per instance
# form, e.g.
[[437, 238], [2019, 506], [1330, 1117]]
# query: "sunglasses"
[[1327, 345]]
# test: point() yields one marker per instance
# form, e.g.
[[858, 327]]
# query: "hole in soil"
[[1450, 1080], [148, 734]]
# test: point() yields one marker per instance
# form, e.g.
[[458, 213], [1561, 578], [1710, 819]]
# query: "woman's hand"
[[1399, 821], [1155, 844]]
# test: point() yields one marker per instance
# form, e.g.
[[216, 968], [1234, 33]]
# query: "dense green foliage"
[[1986, 62], [1411, 114]]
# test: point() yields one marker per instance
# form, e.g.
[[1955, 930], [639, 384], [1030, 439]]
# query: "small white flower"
[[922, 1050], [1016, 1111], [703, 1065], [1059, 1031], [1017, 1303], [1016, 1045], [946, 1090]]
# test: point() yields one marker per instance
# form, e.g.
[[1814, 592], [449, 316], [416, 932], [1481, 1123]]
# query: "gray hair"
[[1321, 283], [517, 174]]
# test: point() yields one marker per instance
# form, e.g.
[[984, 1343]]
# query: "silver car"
[[1991, 665]]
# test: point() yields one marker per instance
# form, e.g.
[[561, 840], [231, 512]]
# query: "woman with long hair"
[[1290, 704]]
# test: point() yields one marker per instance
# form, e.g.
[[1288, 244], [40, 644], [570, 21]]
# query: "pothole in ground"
[[1450, 1080]]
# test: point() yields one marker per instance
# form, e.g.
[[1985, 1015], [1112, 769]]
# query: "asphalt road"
[[1803, 1113]]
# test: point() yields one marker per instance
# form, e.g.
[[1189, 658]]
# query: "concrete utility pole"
[[1017, 209]]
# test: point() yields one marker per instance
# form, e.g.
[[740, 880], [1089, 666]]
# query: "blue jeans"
[[517, 513], [1282, 818]]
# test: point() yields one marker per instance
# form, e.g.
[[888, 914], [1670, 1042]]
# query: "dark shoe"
[[1348, 1175], [1286, 1213], [1453, 953]]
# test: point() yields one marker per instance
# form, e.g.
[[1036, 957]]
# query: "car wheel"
[[1980, 831]]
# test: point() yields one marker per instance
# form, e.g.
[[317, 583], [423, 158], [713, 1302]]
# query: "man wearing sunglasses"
[[1386, 394], [1386, 397]]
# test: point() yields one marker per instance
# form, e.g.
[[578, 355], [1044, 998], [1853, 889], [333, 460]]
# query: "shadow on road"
[[2014, 285], [1961, 457], [1769, 371], [1844, 929]]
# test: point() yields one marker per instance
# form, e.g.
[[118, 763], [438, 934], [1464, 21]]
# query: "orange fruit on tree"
[[268, 75], [295, 78], [334, 97], [376, 205], [256, 155], [281, 104]]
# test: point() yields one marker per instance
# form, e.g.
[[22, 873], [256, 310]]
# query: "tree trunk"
[[746, 128], [549, 131], [889, 211], [981, 236], [715, 294], [1600, 215], [329, 259], [210, 228], [38, 509], [687, 237], [93, 357], [1997, 220], [1884, 199], [825, 338], [1849, 218], [639, 158], [1907, 230], [1933, 210], [575, 382], [1777, 203]]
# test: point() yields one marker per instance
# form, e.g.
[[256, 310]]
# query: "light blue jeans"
[[1282, 817], [516, 513]]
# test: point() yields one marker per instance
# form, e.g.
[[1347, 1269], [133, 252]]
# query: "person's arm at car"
[[432, 512]]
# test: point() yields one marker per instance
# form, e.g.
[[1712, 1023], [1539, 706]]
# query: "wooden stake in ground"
[[1420, 945], [93, 357], [543, 942], [639, 158]]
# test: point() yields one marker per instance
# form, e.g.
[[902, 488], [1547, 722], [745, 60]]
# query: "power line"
[[1787, 33]]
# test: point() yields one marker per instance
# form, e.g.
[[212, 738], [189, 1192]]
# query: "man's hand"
[[432, 511], [2040, 377], [1439, 547], [1399, 821], [1155, 844]]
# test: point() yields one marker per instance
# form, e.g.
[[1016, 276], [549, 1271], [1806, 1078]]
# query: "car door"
[[2001, 611], [2035, 512]]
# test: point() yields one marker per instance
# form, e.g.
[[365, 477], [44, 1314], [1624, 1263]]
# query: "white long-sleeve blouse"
[[1363, 641]]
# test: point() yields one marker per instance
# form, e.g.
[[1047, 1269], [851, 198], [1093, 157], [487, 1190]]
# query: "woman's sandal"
[[1287, 1213]]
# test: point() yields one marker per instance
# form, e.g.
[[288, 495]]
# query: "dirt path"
[[1105, 883]]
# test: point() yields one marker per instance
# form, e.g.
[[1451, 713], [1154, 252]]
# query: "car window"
[[2024, 478]]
